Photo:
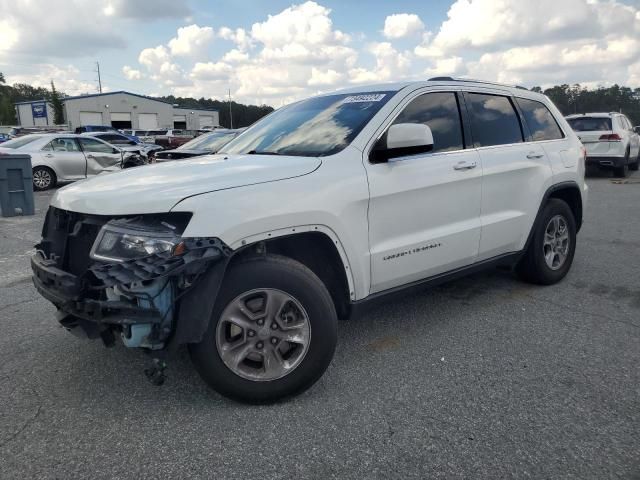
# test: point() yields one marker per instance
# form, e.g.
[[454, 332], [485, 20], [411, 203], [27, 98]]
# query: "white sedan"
[[57, 158]]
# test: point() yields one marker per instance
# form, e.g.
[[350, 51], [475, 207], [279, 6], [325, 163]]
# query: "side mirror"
[[637, 129], [115, 150], [401, 140]]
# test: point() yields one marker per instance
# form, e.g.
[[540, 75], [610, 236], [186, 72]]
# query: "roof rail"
[[471, 80]]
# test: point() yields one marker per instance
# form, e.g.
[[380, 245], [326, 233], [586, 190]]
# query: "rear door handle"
[[49, 155], [465, 165], [533, 155]]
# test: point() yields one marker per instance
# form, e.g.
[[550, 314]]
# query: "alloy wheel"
[[263, 334], [555, 246]]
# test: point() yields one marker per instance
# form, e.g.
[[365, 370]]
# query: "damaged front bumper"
[[138, 299]]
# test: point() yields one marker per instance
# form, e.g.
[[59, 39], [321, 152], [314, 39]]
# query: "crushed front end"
[[121, 276]]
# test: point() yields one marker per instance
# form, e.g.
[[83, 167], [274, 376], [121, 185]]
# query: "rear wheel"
[[623, 170], [272, 334], [635, 165], [43, 178], [550, 253]]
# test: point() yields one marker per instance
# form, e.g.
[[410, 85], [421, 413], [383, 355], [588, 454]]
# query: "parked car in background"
[[103, 128], [175, 137], [146, 136], [610, 140], [57, 158], [22, 131], [205, 144], [125, 143], [250, 256]]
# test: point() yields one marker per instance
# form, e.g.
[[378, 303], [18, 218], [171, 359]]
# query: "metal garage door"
[[147, 121], [90, 118], [206, 121]]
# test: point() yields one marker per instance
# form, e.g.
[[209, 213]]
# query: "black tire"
[[40, 177], [623, 170], [296, 280], [635, 165], [533, 267]]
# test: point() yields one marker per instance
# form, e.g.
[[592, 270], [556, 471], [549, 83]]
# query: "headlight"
[[121, 240]]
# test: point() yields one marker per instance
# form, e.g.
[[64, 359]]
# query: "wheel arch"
[[312, 245], [569, 192], [317, 248]]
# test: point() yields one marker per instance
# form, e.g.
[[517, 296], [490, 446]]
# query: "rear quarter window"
[[541, 123]]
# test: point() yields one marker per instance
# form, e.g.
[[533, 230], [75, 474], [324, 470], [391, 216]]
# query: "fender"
[[289, 231], [547, 194]]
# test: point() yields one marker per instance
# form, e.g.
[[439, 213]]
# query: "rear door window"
[[95, 146], [590, 124], [494, 121], [439, 111], [62, 145], [541, 123]]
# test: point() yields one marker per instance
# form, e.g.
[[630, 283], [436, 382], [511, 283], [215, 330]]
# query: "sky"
[[274, 52]]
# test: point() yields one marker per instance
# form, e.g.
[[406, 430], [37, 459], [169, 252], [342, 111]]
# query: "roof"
[[595, 114], [115, 93], [76, 97], [200, 109], [32, 101], [397, 86]]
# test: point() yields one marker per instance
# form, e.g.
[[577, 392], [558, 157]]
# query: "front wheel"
[[550, 253], [272, 333]]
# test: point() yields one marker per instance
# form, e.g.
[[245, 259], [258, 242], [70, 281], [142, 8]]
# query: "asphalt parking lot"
[[485, 377]]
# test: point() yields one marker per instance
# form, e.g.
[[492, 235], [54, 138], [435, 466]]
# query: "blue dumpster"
[[16, 185]]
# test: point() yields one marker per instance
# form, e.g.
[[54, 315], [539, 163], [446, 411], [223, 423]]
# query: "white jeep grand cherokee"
[[250, 256]]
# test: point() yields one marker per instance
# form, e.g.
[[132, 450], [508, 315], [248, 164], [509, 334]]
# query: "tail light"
[[610, 137], [583, 155]]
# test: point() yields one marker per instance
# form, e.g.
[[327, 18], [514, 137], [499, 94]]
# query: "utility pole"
[[99, 80], [230, 113]]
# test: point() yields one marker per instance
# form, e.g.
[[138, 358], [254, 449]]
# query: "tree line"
[[568, 98], [242, 115], [572, 99]]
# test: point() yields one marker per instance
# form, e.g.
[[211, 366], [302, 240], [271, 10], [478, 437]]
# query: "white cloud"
[[65, 79], [191, 41], [402, 25], [131, 73], [239, 36], [298, 51]]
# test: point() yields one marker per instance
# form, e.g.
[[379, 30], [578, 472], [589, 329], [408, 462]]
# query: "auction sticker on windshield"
[[373, 97]]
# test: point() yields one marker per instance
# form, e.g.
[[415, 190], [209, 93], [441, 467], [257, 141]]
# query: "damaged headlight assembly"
[[122, 240]]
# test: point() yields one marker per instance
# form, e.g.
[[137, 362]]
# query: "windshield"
[[210, 141], [20, 142], [318, 126], [587, 124]]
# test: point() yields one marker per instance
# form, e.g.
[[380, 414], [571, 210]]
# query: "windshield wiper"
[[262, 152]]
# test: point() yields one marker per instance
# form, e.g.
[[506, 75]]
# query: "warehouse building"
[[119, 110]]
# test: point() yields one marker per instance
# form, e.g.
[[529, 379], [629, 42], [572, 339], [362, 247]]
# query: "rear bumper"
[[605, 161]]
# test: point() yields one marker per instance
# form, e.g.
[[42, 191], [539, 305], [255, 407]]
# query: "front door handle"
[[533, 155], [90, 156], [49, 155], [465, 165]]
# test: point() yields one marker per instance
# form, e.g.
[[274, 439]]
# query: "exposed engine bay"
[[121, 277]]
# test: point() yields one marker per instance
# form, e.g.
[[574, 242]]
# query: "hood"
[[157, 188]]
